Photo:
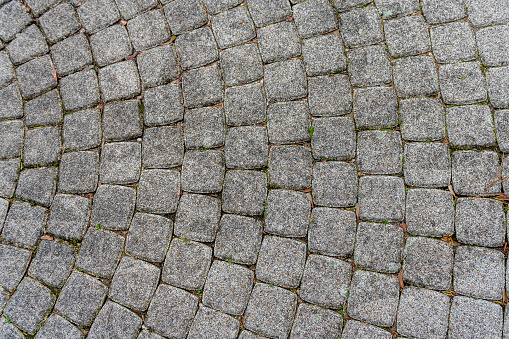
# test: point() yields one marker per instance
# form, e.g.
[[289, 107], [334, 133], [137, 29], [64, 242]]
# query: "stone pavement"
[[253, 169]]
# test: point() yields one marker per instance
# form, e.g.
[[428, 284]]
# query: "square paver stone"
[[288, 122], [429, 212], [162, 147], [332, 232], [287, 213], [52, 263], [32, 296], [35, 77], [460, 126], [423, 313], [246, 147], [245, 105], [197, 217], [203, 171], [453, 42], [375, 107], [369, 66], [329, 95], [110, 45], [239, 239], [285, 81], [462, 83], [216, 6], [71, 54], [480, 222], [78, 172], [27, 45], [81, 298], [502, 129], [115, 321], [185, 15], [416, 76], [498, 86], [373, 298], [98, 14], [475, 173], [324, 54], [427, 165], [119, 81], [148, 30], [440, 11], [69, 216], [134, 283], [202, 86], [42, 146], [210, 323], [113, 207], [486, 13], [14, 17], [80, 90], [58, 327], [158, 65], [37, 185], [241, 64], [9, 172], [11, 136], [120, 163], [24, 224], [290, 167], [358, 330], [266, 12], [149, 237], [8, 329], [196, 48], [270, 311], [314, 17], [244, 192], [59, 22], [395, 8], [187, 264], [163, 105], [334, 184], [407, 36], [381, 198], [43, 110], [233, 27], [361, 26], [12, 107], [100, 252], [492, 45], [279, 41], [7, 74], [170, 313], [422, 119], [379, 152], [129, 9], [475, 318], [379, 247], [343, 5], [204, 128], [14, 261], [158, 191], [326, 281], [122, 120], [314, 322]]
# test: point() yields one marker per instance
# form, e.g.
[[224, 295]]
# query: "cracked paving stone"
[[52, 263]]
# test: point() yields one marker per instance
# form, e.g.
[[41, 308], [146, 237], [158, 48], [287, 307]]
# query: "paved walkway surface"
[[253, 169]]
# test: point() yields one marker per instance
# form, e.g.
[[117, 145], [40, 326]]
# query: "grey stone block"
[[4, 206], [185, 15], [14, 263], [12, 107], [8, 330], [287, 213], [416, 76], [453, 42], [498, 85], [238, 239], [98, 14], [134, 283], [7, 74], [361, 27], [59, 22], [120, 163], [113, 207], [146, 334], [470, 126], [285, 81], [343, 5], [203, 171], [270, 311], [422, 119], [81, 298], [246, 147], [502, 129], [196, 48], [480, 222], [407, 36], [333, 138], [197, 217], [29, 305], [158, 191], [440, 11], [34, 77], [15, 17], [100, 252], [279, 41], [394, 8], [149, 237], [332, 232], [290, 167], [119, 81], [326, 281], [24, 224], [244, 192], [462, 83], [329, 95], [59, 328], [473, 172], [314, 322], [358, 330], [148, 30], [245, 105], [82, 130], [78, 172], [334, 184], [492, 45], [37, 185], [379, 247], [281, 261], [110, 45], [324, 54], [204, 128], [163, 105], [42, 146], [228, 287], [479, 272], [158, 65], [379, 152], [475, 318], [369, 66], [216, 6], [241, 64], [288, 122], [122, 120], [163, 147], [423, 313], [43, 110], [171, 311], [266, 12], [427, 165], [210, 324], [233, 27], [187, 264], [80, 90], [314, 17], [381, 198], [487, 12], [429, 212], [202, 86], [27, 45], [9, 171], [52, 263], [373, 298], [129, 9], [115, 321], [71, 54], [375, 107], [428, 263], [11, 138]]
